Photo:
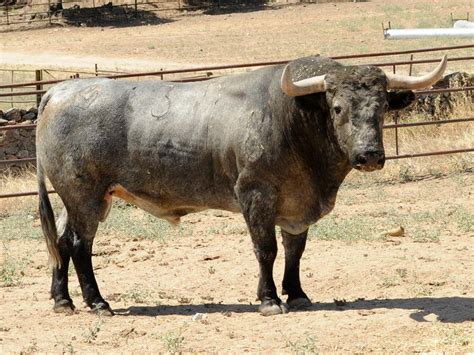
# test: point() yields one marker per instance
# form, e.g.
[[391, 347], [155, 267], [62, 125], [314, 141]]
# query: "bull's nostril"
[[361, 159]]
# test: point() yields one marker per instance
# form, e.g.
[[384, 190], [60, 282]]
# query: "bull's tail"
[[44, 101], [48, 223]]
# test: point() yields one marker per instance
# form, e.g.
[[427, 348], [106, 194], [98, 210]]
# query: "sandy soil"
[[262, 35], [369, 294]]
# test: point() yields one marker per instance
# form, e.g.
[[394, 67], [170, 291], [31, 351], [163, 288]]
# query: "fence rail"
[[208, 69], [209, 72]]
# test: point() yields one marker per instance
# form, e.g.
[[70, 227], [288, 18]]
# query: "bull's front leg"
[[258, 208], [294, 247]]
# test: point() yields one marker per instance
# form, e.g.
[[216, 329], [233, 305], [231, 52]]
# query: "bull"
[[274, 144]]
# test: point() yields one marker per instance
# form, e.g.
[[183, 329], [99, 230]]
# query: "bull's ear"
[[400, 99]]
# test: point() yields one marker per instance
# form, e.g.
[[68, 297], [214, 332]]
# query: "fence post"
[[49, 11], [6, 9], [396, 133], [136, 8], [96, 70], [39, 77], [411, 64], [11, 90]]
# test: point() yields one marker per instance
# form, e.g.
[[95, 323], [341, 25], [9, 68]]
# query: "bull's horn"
[[396, 81], [302, 87]]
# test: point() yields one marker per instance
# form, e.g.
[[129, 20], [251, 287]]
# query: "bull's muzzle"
[[369, 161]]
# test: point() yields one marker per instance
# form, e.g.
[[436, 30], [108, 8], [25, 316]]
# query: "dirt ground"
[[278, 33], [192, 288], [370, 292]]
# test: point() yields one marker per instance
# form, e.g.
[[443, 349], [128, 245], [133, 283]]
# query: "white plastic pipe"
[[463, 24], [428, 32]]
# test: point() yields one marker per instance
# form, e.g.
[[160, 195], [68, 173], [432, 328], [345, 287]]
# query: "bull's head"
[[357, 97]]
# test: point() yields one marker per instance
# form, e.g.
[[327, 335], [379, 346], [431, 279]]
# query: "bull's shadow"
[[447, 309]]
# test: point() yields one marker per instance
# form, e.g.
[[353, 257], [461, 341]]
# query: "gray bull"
[[274, 144]]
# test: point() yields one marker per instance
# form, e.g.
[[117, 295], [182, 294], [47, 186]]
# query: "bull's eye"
[[337, 109]]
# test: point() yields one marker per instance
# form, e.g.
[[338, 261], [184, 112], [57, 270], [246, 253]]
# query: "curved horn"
[[302, 87], [417, 82]]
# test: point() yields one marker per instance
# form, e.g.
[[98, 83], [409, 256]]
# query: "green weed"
[[136, 295], [306, 345], [173, 341], [464, 220], [352, 228], [91, 333], [11, 270]]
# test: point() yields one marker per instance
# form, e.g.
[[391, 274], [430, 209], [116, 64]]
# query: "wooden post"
[[6, 9], [396, 133], [96, 70], [11, 89], [49, 11], [39, 77], [136, 8], [411, 64]]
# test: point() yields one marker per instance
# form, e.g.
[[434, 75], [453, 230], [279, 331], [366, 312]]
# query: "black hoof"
[[272, 307], [102, 308], [64, 306], [299, 303]]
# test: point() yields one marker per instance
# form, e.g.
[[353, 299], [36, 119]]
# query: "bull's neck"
[[310, 135]]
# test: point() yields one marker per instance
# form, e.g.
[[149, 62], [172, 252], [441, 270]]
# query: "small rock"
[[365, 312], [13, 114], [23, 154], [200, 317], [29, 116]]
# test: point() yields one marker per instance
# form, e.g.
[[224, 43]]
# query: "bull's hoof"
[[102, 309], [64, 306], [272, 307], [299, 303]]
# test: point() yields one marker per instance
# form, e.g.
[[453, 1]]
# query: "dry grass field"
[[370, 292]]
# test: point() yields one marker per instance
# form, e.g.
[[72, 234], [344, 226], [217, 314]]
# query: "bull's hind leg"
[[294, 247], [80, 228], [59, 285]]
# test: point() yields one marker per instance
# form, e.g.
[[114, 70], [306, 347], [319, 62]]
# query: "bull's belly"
[[172, 212]]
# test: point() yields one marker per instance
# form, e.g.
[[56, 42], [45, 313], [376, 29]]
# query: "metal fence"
[[205, 73]]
